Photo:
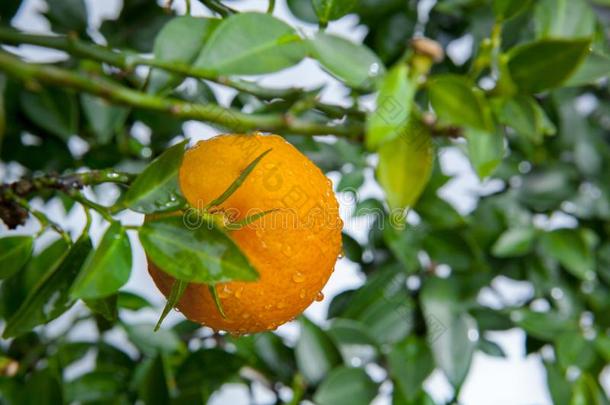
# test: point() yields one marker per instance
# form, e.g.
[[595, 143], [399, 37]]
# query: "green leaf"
[[457, 102], [50, 297], [155, 382], [316, 354], [564, 19], [514, 242], [251, 44], [351, 181], [178, 288], [449, 329], [559, 388], [570, 248], [67, 16], [346, 385], [543, 325], [45, 382], [491, 348], [574, 350], [201, 255], [132, 301], [238, 181], [506, 9], [8, 9], [330, 10], [410, 363], [105, 307], [588, 392], [353, 340], [104, 118], [52, 110], [405, 166], [485, 150], [156, 189], [107, 268], [525, 116], [595, 67], [181, 40], [303, 10], [351, 248], [98, 386], [355, 64], [15, 251], [394, 102], [545, 64], [163, 341]]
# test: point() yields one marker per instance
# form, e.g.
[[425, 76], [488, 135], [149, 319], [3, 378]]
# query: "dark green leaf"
[[50, 297], [43, 388], [155, 383], [107, 268], [491, 348], [8, 9], [99, 386], [351, 248], [104, 118], [316, 354], [506, 9], [330, 10], [574, 350], [67, 15], [201, 255], [560, 389], [545, 64], [351, 181], [132, 301], [151, 343], [52, 110], [570, 248], [15, 251], [595, 67], [303, 10], [156, 189], [105, 307], [410, 363], [353, 340], [249, 44], [355, 64], [543, 325], [178, 288], [346, 385]]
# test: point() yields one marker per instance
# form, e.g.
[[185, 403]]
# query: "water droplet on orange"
[[238, 293], [302, 293], [319, 297], [281, 305], [298, 277]]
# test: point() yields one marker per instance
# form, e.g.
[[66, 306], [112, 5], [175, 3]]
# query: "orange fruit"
[[294, 249]]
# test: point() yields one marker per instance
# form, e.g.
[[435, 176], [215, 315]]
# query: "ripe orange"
[[293, 249]]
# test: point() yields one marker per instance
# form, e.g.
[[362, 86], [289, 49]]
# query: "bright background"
[[516, 380]]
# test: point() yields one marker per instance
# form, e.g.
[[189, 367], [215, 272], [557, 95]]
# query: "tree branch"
[[226, 117], [128, 61]]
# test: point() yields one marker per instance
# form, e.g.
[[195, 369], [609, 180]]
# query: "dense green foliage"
[[528, 102]]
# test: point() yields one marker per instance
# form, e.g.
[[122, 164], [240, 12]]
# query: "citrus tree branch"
[[116, 93], [128, 61]]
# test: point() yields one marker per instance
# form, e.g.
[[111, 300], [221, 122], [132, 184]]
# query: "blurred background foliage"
[[526, 98]]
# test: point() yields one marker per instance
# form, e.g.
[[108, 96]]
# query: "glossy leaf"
[[394, 103], [485, 150], [569, 247], [15, 251], [201, 255], [50, 297], [330, 10], [405, 165], [450, 331], [457, 102], [595, 67], [355, 64], [506, 9], [410, 364], [107, 268], [346, 385], [564, 19], [132, 301], [250, 44], [181, 40], [156, 189], [545, 64], [316, 354], [52, 110], [514, 242]]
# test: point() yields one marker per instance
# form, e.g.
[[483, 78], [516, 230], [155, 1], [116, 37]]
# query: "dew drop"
[[319, 296], [298, 277], [374, 69], [281, 305], [224, 292], [302, 293]]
